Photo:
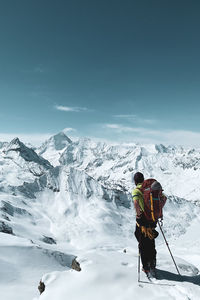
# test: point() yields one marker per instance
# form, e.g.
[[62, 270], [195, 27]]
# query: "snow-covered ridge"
[[20, 163], [28, 154], [114, 165], [69, 199]]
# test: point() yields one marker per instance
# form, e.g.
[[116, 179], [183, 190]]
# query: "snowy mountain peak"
[[28, 154], [60, 140], [53, 147], [15, 143], [56, 142]]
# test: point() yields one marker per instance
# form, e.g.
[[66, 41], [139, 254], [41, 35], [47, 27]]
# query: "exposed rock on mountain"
[[5, 228]]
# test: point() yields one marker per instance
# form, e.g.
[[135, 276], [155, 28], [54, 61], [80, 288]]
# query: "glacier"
[[71, 200]]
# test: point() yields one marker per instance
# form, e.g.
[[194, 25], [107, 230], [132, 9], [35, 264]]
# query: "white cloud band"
[[146, 135], [71, 109], [135, 118]]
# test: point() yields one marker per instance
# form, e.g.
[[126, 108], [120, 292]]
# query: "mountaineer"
[[148, 201]]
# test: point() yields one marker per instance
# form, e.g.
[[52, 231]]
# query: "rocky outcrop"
[[41, 287], [5, 228], [11, 210], [76, 265], [48, 240]]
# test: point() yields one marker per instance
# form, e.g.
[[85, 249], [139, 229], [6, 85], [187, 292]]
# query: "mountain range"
[[70, 201]]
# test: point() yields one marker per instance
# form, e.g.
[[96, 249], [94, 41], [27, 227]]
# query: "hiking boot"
[[146, 271]]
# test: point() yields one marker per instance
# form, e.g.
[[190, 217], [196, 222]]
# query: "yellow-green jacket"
[[138, 200]]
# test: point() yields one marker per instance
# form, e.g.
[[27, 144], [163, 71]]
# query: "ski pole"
[[138, 265], [169, 249], [139, 255]]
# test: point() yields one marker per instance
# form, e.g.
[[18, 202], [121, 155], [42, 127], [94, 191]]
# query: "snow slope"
[[72, 199], [110, 273]]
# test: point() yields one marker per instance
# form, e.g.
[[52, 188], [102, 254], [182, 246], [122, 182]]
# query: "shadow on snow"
[[161, 274]]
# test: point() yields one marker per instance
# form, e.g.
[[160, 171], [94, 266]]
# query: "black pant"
[[147, 249]]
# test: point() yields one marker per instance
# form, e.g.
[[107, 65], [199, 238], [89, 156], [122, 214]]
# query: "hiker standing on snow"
[[148, 201]]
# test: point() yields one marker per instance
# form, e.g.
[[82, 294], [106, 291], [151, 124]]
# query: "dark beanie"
[[138, 177]]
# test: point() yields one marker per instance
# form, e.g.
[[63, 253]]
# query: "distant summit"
[[54, 146], [28, 154], [15, 144], [59, 141], [56, 142]]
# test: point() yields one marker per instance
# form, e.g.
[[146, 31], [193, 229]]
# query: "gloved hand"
[[149, 232]]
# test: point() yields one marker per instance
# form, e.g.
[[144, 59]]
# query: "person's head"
[[138, 178]]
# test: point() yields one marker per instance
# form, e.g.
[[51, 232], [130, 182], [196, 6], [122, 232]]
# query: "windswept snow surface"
[[75, 202]]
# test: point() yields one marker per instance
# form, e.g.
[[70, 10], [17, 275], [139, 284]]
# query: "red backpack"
[[152, 193]]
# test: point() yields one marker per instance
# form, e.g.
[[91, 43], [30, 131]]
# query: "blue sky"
[[115, 70]]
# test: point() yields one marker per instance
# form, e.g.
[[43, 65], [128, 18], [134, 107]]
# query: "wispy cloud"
[[67, 130], [146, 135], [71, 108], [112, 126], [135, 118], [126, 129]]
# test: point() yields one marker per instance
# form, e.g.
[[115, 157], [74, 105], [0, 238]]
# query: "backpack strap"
[[152, 212]]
